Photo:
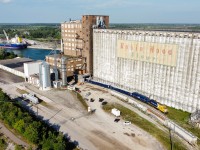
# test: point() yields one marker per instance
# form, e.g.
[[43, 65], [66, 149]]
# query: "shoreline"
[[43, 47]]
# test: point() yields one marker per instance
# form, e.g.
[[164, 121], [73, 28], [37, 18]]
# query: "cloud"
[[5, 1]]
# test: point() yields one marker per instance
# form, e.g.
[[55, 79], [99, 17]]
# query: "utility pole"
[[170, 137], [37, 109]]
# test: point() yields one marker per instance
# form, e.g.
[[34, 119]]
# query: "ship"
[[14, 43]]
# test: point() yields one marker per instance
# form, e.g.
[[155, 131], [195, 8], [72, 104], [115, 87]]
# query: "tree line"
[[32, 32], [30, 127]]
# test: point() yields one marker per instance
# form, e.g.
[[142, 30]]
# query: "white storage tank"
[[44, 75]]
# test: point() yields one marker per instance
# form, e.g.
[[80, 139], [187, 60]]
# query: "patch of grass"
[[83, 102], [21, 91], [182, 119], [178, 115], [45, 104], [149, 127]]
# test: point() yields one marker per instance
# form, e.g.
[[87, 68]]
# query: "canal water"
[[35, 54]]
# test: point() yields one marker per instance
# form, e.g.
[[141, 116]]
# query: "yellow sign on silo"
[[159, 53]]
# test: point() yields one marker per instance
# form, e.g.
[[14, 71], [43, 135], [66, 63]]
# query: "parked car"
[[104, 103], [92, 100], [79, 91], [87, 94], [116, 120], [70, 87], [126, 123], [101, 99]]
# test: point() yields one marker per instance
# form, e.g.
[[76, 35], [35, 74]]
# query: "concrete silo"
[[63, 71], [44, 75], [163, 65]]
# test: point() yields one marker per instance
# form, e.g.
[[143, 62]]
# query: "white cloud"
[[5, 1]]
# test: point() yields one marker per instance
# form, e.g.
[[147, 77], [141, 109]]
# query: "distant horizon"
[[110, 23], [126, 11]]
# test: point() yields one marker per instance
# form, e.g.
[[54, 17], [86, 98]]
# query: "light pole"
[[170, 137]]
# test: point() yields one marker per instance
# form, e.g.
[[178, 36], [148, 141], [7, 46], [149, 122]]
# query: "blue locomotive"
[[149, 101], [135, 95]]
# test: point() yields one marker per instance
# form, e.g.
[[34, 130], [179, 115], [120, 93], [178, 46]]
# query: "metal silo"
[[44, 74], [63, 71]]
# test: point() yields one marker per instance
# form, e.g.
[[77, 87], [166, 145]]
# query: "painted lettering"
[[157, 50], [170, 52], [163, 51], [152, 49], [122, 45]]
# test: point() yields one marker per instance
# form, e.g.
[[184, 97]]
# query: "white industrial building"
[[31, 68], [31, 72], [162, 65]]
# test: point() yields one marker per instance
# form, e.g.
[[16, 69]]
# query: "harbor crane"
[[6, 35]]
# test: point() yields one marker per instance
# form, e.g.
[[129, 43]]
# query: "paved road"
[[11, 136], [92, 132], [6, 77]]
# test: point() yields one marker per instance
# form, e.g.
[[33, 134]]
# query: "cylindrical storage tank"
[[62, 45], [44, 75], [63, 71]]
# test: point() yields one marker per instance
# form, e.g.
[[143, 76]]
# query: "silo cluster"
[[162, 65]]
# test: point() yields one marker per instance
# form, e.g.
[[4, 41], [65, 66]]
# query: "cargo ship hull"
[[13, 46]]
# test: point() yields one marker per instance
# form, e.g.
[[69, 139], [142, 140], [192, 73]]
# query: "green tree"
[[31, 133], [20, 126]]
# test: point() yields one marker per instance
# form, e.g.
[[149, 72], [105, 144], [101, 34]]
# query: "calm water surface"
[[35, 54]]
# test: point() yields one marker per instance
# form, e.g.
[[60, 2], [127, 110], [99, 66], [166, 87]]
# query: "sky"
[[120, 11]]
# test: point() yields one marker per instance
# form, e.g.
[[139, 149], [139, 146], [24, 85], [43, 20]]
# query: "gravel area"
[[96, 131]]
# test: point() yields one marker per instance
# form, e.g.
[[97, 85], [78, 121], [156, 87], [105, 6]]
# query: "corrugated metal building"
[[162, 65]]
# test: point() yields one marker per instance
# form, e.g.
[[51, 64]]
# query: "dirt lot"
[[96, 131], [93, 132]]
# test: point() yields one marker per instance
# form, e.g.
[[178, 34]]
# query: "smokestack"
[[63, 71]]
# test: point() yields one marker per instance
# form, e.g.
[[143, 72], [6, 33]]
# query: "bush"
[[33, 129]]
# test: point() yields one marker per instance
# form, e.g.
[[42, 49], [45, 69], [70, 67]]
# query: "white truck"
[[115, 112]]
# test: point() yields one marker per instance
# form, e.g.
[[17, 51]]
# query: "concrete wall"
[[176, 86], [13, 71]]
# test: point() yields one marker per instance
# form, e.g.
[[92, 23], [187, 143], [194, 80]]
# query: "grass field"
[[161, 136], [182, 118], [80, 98]]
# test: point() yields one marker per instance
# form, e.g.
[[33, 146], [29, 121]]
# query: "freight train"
[[149, 101], [135, 95]]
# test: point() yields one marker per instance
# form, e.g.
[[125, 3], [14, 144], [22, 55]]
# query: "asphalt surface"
[[6, 77], [16, 63], [96, 131], [12, 136]]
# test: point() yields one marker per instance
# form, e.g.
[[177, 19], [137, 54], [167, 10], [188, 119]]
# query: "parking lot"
[[95, 131]]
